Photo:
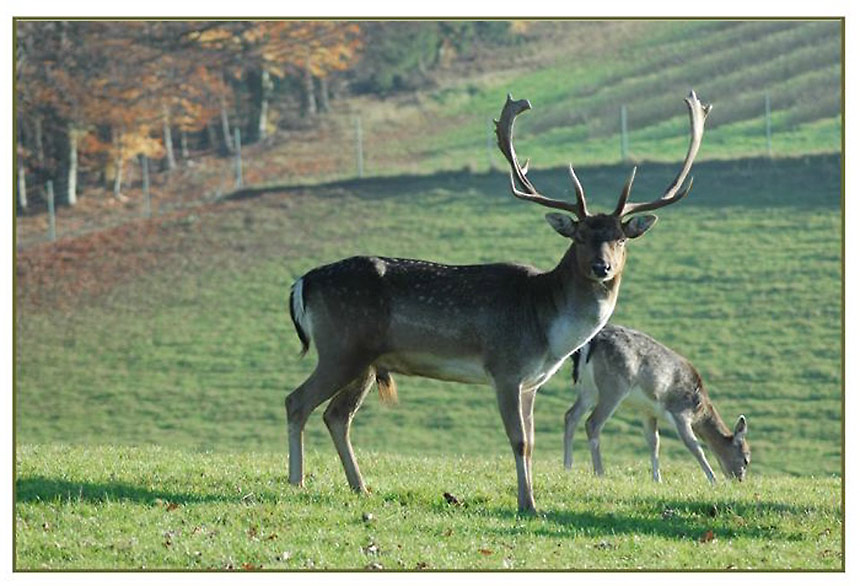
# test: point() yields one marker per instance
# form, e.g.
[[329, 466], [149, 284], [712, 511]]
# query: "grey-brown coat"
[[624, 365]]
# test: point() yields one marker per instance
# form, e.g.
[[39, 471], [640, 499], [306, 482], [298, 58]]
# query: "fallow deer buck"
[[624, 365], [506, 325]]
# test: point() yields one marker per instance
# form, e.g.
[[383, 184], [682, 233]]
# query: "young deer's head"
[[735, 456], [598, 239]]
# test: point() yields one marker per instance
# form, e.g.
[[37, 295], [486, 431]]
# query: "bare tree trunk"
[[116, 139], [211, 135], [22, 180], [225, 126], [21, 170], [183, 144], [72, 176], [128, 179], [310, 99], [265, 90], [324, 103], [117, 180], [168, 139], [37, 138]]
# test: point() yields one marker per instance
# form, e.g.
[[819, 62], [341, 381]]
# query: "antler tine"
[[504, 137], [580, 193], [625, 194], [698, 113]]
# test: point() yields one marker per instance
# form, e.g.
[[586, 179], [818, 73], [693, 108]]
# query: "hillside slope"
[[577, 74], [176, 330]]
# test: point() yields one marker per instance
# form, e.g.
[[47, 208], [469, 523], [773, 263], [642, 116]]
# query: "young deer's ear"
[[740, 429], [638, 225], [563, 224]]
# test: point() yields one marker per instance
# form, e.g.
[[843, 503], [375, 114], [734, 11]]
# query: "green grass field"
[[159, 508], [198, 355], [149, 419]]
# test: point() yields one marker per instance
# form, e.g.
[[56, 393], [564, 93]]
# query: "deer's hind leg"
[[607, 402], [329, 377], [571, 420], [652, 437], [338, 418]]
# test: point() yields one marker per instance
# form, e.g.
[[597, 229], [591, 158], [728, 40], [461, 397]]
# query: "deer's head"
[[736, 457], [599, 240]]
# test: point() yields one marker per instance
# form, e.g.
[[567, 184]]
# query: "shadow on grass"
[[38, 489], [669, 518], [808, 182], [43, 489]]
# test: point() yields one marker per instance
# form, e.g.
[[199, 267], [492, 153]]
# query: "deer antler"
[[504, 136], [698, 113]]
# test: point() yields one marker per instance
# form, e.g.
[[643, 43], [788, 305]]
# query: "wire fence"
[[350, 146]]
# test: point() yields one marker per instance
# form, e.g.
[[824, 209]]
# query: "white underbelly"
[[464, 369]]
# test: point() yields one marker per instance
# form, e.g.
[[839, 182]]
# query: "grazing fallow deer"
[[507, 325], [622, 364]]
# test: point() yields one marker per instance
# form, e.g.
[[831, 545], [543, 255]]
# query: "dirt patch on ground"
[[84, 269]]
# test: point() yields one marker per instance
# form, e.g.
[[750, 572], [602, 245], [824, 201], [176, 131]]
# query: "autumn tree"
[[265, 51]]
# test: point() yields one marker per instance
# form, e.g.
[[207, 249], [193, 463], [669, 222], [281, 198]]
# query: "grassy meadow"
[[152, 360], [198, 355], [160, 508]]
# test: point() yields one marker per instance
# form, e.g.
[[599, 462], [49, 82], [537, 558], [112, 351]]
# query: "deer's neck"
[[712, 429], [575, 307]]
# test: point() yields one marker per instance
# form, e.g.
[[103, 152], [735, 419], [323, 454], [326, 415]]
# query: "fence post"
[[624, 145], [144, 176], [767, 131], [52, 218], [359, 147], [237, 144], [490, 144]]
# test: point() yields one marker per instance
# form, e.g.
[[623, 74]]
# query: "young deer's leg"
[[338, 418], [510, 407], [606, 404], [528, 410], [685, 430], [652, 436], [327, 379], [571, 420]]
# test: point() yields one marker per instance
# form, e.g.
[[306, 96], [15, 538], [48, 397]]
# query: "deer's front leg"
[[510, 407], [685, 431], [528, 409]]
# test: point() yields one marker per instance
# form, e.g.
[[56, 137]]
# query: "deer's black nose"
[[600, 268]]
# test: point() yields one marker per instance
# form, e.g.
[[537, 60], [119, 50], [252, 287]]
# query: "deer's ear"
[[562, 223], [740, 429], [638, 225]]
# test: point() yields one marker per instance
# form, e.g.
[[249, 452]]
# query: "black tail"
[[576, 358], [303, 335]]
